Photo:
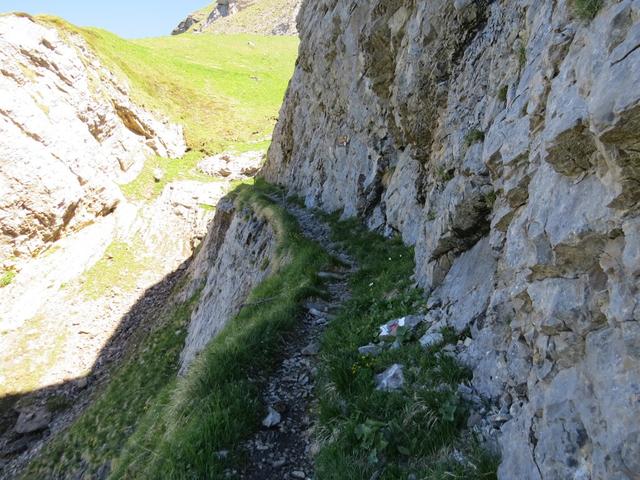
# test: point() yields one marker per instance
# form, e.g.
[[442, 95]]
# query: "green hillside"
[[225, 90]]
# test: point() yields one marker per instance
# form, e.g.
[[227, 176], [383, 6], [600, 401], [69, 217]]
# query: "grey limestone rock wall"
[[235, 257], [501, 139]]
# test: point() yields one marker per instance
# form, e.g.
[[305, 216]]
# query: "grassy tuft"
[[587, 9], [474, 136], [503, 92], [365, 433], [6, 278], [120, 268], [145, 186], [522, 56]]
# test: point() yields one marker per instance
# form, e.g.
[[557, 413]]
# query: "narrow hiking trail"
[[284, 448]]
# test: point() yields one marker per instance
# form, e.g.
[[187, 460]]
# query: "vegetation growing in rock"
[[6, 278], [522, 56], [587, 9], [474, 136], [445, 174], [368, 433], [502, 93], [490, 199]]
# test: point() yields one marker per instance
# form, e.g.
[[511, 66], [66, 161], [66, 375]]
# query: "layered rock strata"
[[501, 139], [237, 254], [69, 133]]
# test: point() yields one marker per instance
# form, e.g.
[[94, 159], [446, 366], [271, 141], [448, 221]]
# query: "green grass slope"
[[225, 89]]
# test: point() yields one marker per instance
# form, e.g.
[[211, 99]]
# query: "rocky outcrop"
[[501, 139], [262, 17], [238, 253], [232, 166], [69, 134]]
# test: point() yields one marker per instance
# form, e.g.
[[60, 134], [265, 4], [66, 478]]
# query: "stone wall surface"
[[502, 139], [237, 254], [69, 133]]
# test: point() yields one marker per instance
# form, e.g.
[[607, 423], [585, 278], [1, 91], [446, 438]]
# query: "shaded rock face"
[[501, 139], [68, 134], [237, 254]]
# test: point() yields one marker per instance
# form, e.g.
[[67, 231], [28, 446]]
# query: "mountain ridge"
[[264, 17]]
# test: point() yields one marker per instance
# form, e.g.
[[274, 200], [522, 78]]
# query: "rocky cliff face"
[[237, 254], [70, 134], [262, 17], [501, 139]]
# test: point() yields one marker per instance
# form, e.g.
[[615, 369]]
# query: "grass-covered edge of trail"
[[365, 433], [147, 423], [218, 404]]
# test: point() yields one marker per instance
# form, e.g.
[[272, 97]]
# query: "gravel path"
[[285, 449]]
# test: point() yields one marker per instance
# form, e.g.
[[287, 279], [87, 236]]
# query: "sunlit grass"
[[119, 268], [225, 90]]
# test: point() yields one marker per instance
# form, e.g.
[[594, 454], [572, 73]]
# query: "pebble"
[[391, 379], [431, 339], [311, 350], [331, 275], [298, 474], [371, 349], [273, 418], [316, 313]]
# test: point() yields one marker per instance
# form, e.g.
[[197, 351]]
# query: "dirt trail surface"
[[283, 449]]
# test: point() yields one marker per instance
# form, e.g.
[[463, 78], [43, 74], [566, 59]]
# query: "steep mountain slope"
[[499, 138], [101, 212], [265, 17]]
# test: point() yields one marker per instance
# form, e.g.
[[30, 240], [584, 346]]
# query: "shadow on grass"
[[151, 318]]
